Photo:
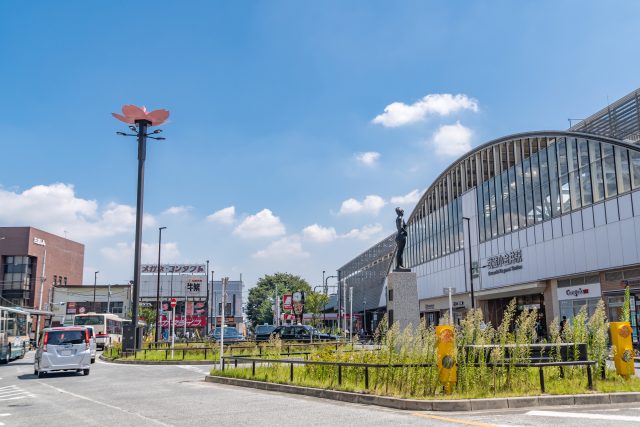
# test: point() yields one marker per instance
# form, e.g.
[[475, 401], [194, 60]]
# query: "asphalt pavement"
[[133, 395]]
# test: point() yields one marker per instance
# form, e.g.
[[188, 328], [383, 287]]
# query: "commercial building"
[[33, 262], [550, 218], [67, 301], [233, 313]]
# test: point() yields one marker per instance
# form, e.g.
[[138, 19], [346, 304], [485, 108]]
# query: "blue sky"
[[278, 110]]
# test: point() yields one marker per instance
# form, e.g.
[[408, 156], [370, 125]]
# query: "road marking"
[[13, 392], [97, 402], [586, 415], [454, 420]]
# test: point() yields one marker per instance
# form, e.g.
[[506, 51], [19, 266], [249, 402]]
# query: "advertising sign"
[[579, 292], [192, 321], [174, 268], [287, 302], [193, 285]]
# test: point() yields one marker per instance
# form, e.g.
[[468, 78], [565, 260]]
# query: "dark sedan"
[[263, 332], [301, 333]]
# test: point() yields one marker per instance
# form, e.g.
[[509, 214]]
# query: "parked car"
[[230, 334], [92, 343], [301, 333], [263, 332], [63, 349]]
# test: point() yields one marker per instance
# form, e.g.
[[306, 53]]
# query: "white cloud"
[[285, 248], [364, 233], [410, 198], [56, 209], [262, 224], [317, 233], [452, 140], [369, 158], [124, 252], [177, 210], [223, 216], [370, 205], [442, 104]]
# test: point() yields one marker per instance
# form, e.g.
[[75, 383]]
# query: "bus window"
[[89, 320]]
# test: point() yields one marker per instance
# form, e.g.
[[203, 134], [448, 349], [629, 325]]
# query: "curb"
[[157, 362], [458, 405]]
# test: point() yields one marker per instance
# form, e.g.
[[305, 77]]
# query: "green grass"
[[390, 383]]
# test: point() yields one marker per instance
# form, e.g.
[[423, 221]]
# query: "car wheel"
[[93, 360], [40, 374], [7, 357], [35, 371], [86, 372]]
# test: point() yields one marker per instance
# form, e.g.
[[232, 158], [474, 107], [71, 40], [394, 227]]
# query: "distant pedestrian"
[[563, 324]]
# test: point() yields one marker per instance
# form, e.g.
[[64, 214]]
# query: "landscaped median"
[[504, 367]]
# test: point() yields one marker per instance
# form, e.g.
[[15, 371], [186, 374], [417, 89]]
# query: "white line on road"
[[586, 415], [97, 402]]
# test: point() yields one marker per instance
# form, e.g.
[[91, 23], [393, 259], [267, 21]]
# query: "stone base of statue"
[[402, 299]]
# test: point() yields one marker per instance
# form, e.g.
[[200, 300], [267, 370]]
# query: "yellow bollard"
[[446, 357], [623, 355]]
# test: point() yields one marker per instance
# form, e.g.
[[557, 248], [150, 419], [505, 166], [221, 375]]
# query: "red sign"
[[287, 316], [287, 302], [173, 303], [192, 321]]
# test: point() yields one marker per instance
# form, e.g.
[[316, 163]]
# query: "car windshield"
[[65, 337], [228, 331], [264, 329]]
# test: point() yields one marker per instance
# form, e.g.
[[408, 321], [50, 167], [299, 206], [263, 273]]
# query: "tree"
[[148, 314], [261, 296], [314, 303]]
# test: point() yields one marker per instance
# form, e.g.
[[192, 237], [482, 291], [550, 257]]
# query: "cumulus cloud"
[[452, 140], [177, 210], [410, 198], [123, 252], [443, 104], [223, 216], [286, 248], [56, 209], [370, 205], [262, 224], [369, 158], [364, 233], [317, 233]]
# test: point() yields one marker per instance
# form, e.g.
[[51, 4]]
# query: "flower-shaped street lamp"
[[139, 121]]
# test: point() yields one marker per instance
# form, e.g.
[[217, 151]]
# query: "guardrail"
[[367, 366]]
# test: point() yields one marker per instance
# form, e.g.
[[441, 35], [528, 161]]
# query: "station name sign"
[[505, 263], [174, 268]]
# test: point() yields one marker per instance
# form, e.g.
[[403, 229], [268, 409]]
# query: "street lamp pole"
[[140, 121], [206, 324], [473, 300], [95, 281], [158, 284]]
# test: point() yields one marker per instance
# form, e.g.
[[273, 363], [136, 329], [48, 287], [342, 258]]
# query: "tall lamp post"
[[158, 284], [206, 324], [468, 220], [95, 282], [139, 120]]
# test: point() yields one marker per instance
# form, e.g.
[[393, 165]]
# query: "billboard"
[[174, 268]]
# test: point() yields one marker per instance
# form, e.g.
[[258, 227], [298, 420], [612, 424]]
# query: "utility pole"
[[95, 281], [351, 313], [109, 300], [222, 322], [158, 284], [344, 309], [43, 278], [206, 325]]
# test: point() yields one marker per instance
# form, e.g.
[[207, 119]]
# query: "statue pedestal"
[[402, 299]]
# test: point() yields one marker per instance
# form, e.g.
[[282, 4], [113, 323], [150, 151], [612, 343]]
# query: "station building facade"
[[550, 218]]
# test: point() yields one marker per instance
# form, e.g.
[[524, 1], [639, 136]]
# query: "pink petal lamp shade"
[[131, 113]]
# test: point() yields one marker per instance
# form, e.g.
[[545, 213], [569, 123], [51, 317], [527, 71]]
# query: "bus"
[[15, 325], [106, 326]]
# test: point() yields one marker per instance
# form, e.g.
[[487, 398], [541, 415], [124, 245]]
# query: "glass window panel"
[[487, 211], [513, 196], [635, 168], [622, 169], [585, 185], [554, 195], [574, 186], [609, 167], [528, 192], [499, 211], [565, 197], [505, 202], [544, 184], [583, 153], [597, 180], [480, 213], [522, 213], [492, 205], [535, 182], [594, 151], [562, 157], [572, 154]]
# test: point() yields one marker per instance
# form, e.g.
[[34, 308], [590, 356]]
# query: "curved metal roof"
[[517, 136]]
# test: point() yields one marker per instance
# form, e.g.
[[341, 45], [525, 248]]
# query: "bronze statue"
[[401, 240]]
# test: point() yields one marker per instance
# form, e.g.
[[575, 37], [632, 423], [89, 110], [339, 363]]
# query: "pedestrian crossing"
[[13, 392]]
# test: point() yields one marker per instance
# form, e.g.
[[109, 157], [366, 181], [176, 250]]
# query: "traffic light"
[[623, 354]]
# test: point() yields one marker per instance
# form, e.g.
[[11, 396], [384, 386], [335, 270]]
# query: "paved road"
[[126, 395]]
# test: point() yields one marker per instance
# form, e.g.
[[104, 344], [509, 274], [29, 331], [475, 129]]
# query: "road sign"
[[173, 303]]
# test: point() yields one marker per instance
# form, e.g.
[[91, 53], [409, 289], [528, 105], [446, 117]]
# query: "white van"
[[92, 343], [63, 349]]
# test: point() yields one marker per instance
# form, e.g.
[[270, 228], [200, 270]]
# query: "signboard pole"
[[351, 313], [173, 327], [222, 321], [184, 317]]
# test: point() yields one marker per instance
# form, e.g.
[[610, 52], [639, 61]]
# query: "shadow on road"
[[50, 375]]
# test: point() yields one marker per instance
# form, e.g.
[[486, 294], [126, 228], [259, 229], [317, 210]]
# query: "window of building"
[[622, 169], [634, 158], [117, 307], [609, 169]]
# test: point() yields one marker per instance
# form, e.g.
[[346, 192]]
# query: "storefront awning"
[[511, 291]]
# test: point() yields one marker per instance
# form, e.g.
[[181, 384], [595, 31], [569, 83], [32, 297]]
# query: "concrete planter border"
[[158, 362], [457, 405]]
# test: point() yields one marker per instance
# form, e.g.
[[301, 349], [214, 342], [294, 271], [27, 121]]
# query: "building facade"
[[550, 218], [67, 301], [33, 262]]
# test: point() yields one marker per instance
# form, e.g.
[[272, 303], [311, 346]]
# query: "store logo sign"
[[590, 290], [38, 241], [577, 292]]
